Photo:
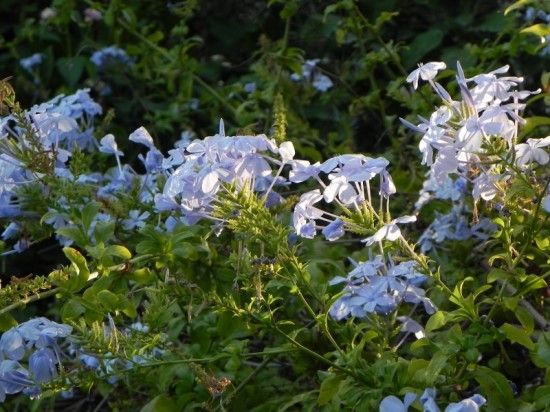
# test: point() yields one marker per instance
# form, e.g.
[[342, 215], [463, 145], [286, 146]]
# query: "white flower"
[[532, 151], [389, 231], [48, 13], [484, 186], [546, 203], [286, 151], [489, 86], [339, 186], [425, 72]]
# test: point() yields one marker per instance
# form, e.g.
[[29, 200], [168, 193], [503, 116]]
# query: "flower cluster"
[[427, 400], [457, 138], [377, 286], [110, 56], [454, 225], [34, 343], [57, 128], [349, 188], [206, 167]]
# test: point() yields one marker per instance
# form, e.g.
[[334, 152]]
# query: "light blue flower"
[[42, 365], [12, 230], [108, 145], [153, 161], [250, 87], [393, 404], [135, 220], [377, 287], [426, 72], [302, 170], [143, 137], [28, 63], [428, 400], [471, 404], [322, 82], [14, 378], [91, 362], [12, 344], [334, 230], [389, 231], [110, 56]]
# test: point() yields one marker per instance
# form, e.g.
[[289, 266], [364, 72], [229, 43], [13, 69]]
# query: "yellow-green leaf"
[[517, 335]]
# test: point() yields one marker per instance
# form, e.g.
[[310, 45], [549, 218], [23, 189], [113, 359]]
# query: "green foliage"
[[239, 319]]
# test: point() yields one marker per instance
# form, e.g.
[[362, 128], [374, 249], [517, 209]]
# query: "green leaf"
[[422, 45], [542, 397], [128, 308], [415, 367], [541, 354], [119, 251], [437, 363], [129, 15], [75, 234], [80, 272], [161, 403], [466, 304], [540, 30], [142, 276], [329, 388], [543, 243], [534, 122], [155, 37], [530, 283], [496, 23], [517, 335], [519, 188], [108, 300], [436, 321], [72, 309], [383, 18], [525, 318], [71, 68], [7, 322], [495, 387], [517, 5], [88, 213], [104, 231], [497, 274]]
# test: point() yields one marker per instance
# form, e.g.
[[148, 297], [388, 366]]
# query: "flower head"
[[389, 231], [425, 72]]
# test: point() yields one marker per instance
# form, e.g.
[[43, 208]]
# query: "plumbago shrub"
[[227, 274]]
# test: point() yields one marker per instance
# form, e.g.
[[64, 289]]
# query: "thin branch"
[[30, 299]]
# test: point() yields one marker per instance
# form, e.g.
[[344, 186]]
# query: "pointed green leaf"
[[436, 321], [161, 403], [119, 251], [496, 388], [329, 388], [517, 335]]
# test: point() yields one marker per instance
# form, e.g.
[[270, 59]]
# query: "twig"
[[30, 299], [245, 381]]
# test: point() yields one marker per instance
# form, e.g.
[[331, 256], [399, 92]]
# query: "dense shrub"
[[362, 231]]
